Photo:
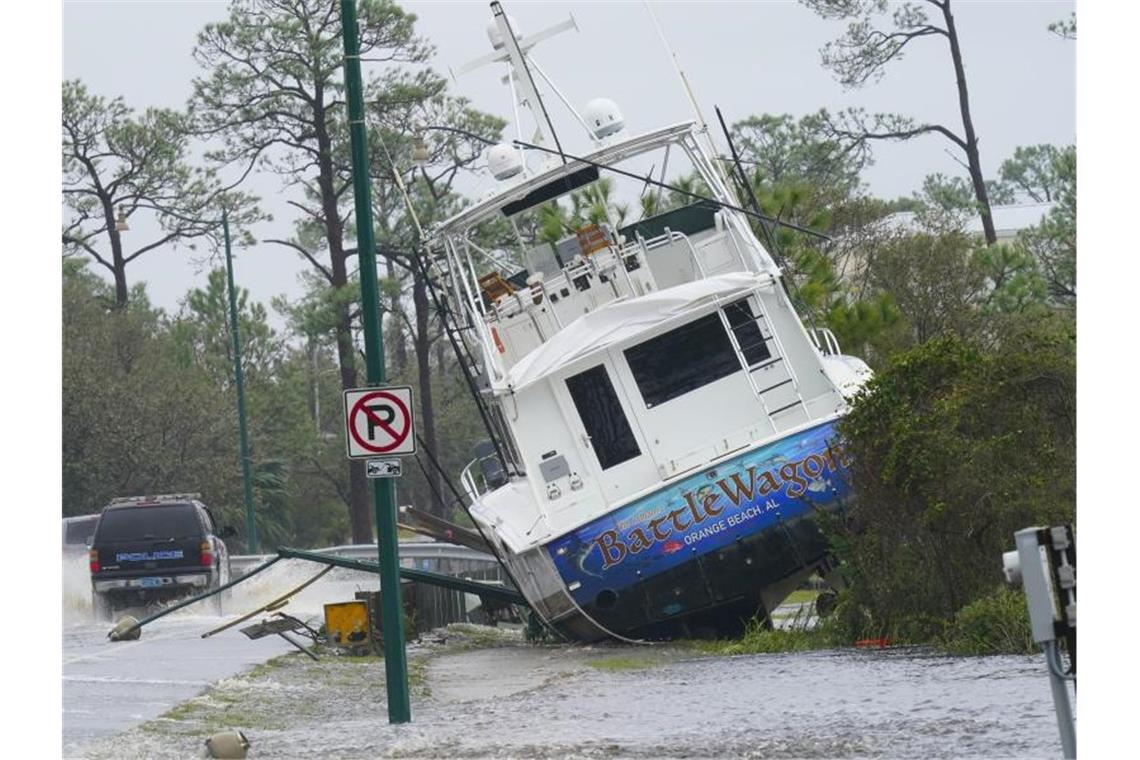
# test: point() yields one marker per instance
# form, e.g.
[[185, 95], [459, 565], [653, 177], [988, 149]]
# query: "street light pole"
[[239, 384], [239, 380], [383, 498]]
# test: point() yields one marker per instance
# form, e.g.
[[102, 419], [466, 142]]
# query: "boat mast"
[[525, 80]]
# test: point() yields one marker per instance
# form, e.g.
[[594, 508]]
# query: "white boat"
[[664, 423]]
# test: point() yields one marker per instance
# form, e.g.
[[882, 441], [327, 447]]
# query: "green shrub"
[[954, 447], [994, 624], [760, 640]]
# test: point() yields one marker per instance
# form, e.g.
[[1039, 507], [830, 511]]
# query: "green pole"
[[384, 502], [239, 383]]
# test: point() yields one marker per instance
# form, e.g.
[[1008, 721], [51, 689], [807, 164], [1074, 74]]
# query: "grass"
[[760, 640], [481, 636], [801, 596], [221, 706], [994, 624], [622, 663], [268, 666], [417, 676], [210, 712]]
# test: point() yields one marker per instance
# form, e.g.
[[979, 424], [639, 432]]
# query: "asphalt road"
[[111, 686]]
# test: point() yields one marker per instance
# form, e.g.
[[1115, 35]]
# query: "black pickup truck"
[[151, 549]]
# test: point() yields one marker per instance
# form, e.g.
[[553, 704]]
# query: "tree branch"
[[151, 246], [312, 260], [72, 240], [889, 128]]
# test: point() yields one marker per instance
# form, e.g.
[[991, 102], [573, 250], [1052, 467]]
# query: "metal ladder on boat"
[[763, 373], [760, 371]]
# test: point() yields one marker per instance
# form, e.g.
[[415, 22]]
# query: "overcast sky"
[[746, 57]]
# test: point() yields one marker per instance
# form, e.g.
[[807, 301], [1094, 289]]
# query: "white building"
[[1008, 220]]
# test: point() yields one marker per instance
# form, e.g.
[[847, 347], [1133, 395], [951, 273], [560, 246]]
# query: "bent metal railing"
[[485, 591]]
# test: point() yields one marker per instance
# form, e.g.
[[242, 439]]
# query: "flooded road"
[[516, 700], [109, 687], [489, 694], [822, 704]]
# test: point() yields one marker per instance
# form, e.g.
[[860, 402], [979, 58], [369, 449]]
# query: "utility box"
[[412, 612], [347, 625]]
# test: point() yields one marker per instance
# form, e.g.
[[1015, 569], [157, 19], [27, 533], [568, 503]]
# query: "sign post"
[[384, 502]]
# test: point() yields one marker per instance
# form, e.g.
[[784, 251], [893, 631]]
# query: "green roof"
[[691, 219]]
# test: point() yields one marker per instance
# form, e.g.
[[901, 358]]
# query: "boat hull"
[[701, 556]]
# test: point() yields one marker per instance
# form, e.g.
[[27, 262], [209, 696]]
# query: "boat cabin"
[[625, 356]]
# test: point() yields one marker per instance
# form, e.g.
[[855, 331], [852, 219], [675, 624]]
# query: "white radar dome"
[[504, 161], [604, 117], [493, 31]]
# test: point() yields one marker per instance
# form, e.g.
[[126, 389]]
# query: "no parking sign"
[[379, 421]]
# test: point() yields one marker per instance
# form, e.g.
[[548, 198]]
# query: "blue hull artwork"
[[696, 555]]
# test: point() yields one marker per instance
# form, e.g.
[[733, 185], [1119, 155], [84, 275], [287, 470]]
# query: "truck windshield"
[[158, 522]]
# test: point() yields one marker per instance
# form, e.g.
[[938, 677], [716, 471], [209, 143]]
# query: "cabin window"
[[682, 360], [602, 416], [751, 340]]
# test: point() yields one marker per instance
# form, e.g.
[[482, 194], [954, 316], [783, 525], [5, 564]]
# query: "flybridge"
[[607, 155]]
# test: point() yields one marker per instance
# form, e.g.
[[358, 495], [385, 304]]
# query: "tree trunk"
[[396, 325], [358, 511], [357, 483], [118, 265], [427, 401], [972, 156]]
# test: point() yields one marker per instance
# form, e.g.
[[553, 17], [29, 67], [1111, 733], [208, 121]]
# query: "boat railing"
[[614, 265], [467, 480], [825, 341], [672, 235], [731, 235]]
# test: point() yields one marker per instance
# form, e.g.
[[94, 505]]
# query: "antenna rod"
[[527, 80], [746, 186], [684, 83]]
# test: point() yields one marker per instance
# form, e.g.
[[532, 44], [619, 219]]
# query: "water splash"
[[339, 585]]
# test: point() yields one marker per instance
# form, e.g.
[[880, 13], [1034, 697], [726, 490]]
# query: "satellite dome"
[[493, 31], [604, 117], [504, 161]]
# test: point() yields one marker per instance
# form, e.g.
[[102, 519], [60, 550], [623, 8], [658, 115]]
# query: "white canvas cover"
[[621, 320]]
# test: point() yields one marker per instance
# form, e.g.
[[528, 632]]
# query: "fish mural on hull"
[[704, 512]]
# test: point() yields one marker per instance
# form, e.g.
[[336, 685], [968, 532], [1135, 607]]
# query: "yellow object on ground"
[[346, 624]]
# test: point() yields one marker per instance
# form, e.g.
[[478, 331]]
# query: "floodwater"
[[812, 705], [516, 700], [109, 687]]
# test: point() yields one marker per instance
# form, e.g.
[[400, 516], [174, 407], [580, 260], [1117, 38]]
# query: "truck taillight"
[[93, 560], [207, 554]]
